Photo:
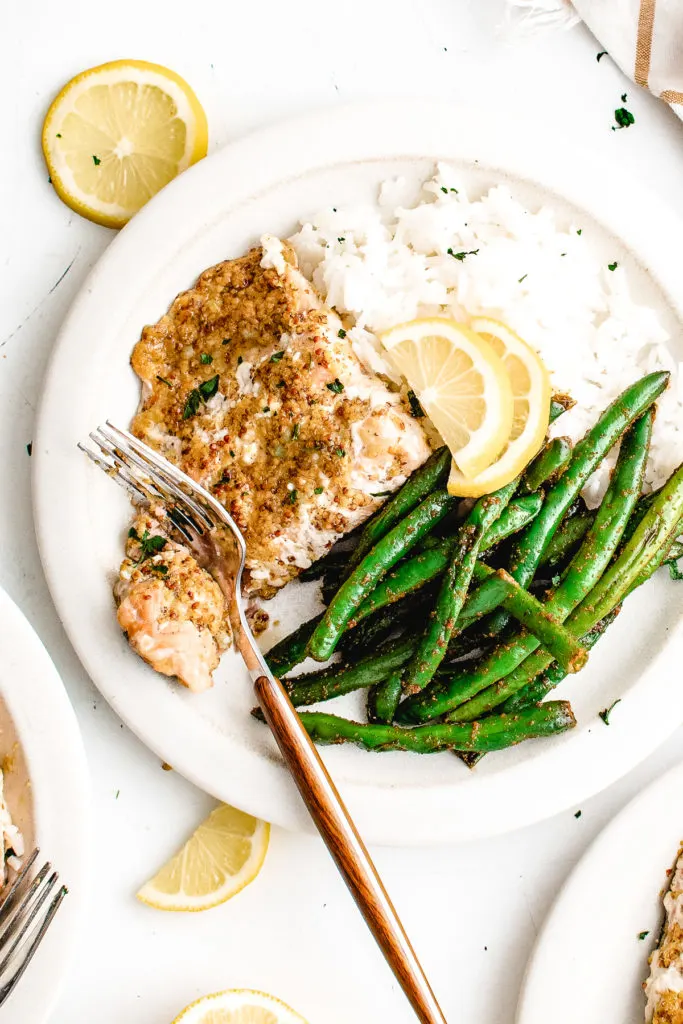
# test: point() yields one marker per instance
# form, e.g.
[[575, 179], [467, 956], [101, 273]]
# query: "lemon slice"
[[218, 860], [460, 383], [116, 134], [532, 393], [239, 1006]]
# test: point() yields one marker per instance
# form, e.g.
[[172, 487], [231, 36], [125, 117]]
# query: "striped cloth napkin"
[[644, 37]]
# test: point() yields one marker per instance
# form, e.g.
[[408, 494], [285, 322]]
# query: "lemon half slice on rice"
[[531, 394], [460, 382], [239, 1006], [116, 134], [224, 854]]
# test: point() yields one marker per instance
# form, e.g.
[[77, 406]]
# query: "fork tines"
[[151, 480], [25, 916]]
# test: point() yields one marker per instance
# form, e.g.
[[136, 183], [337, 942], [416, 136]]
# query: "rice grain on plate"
[[441, 252]]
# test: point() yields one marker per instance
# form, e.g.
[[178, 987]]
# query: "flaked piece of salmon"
[[664, 987], [172, 611], [251, 386]]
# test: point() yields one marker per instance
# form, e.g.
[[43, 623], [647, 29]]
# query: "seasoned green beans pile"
[[457, 618]]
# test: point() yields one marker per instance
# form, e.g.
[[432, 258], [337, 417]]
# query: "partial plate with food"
[[393, 212], [46, 794], [609, 919]]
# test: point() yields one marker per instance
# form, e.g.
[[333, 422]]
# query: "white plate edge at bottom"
[[526, 1012], [62, 823]]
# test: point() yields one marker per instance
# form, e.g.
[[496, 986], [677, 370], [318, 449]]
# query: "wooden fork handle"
[[346, 847]]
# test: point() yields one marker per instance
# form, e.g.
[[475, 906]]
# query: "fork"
[[218, 545], [25, 916]]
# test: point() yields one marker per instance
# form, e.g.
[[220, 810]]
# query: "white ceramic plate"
[[47, 792], [589, 950], [218, 209]]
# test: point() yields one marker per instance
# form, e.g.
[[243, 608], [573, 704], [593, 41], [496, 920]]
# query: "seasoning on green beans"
[[631, 567], [433, 644], [583, 574], [494, 733], [389, 550], [548, 464], [432, 474]]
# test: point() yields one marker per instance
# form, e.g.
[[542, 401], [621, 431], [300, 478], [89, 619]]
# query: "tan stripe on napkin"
[[672, 96], [646, 23]]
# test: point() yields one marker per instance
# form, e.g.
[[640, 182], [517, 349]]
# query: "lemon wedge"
[[116, 134], [224, 854], [531, 393], [460, 382], [238, 1006]]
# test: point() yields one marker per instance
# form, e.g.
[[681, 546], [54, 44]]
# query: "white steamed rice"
[[383, 264]]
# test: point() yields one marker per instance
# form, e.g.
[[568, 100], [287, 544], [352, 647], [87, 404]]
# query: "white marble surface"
[[474, 911]]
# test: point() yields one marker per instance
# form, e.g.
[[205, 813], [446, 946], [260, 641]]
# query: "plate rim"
[[388, 815], [40, 707], [630, 812]]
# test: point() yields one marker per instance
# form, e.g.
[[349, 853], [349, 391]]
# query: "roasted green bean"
[[493, 733], [583, 574], [389, 550]]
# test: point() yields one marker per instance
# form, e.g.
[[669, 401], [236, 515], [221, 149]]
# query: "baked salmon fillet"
[[251, 387], [171, 610], [664, 987]]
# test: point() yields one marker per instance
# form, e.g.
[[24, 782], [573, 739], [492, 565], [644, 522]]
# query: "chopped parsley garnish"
[[96, 160], [623, 97], [59, 135], [266, 408], [342, 239], [239, 360], [232, 454], [579, 231], [336, 386], [29, 449], [276, 357], [623, 117], [380, 494], [164, 381], [522, 278], [606, 712], [162, 569], [643, 935], [192, 403], [209, 388], [416, 409], [462, 255], [226, 341], [203, 393], [148, 545], [453, 190], [674, 572], [341, 333], [444, 190], [280, 384], [295, 432], [318, 490], [205, 358], [293, 495], [578, 814], [340, 452], [612, 266], [603, 53]]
